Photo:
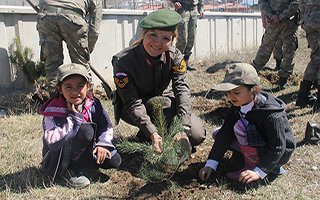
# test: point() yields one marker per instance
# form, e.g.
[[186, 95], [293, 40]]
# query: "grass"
[[21, 144]]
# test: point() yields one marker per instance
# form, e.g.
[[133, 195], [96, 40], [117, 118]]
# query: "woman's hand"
[[205, 173], [248, 176], [101, 153], [156, 142]]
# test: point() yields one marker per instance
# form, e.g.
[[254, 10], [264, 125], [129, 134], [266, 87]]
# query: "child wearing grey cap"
[[256, 125], [77, 130]]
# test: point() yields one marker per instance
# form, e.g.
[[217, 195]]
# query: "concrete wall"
[[217, 32], [15, 2]]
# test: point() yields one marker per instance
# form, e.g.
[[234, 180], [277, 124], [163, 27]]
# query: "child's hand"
[[101, 153], [248, 176], [205, 173], [71, 107]]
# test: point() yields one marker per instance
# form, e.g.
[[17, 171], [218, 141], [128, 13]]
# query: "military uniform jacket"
[[310, 11], [139, 77], [90, 9], [284, 9]]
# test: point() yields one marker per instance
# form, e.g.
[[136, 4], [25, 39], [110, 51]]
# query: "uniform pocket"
[[81, 23]]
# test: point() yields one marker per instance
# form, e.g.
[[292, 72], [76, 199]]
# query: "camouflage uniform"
[[142, 80], [310, 22], [188, 28], [77, 23], [285, 30], [278, 52]]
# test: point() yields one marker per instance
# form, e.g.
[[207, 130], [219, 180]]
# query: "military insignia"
[[182, 68], [121, 79]]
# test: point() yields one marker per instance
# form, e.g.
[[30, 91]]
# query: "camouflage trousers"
[[53, 30], [312, 72], [286, 32], [277, 51], [187, 30]]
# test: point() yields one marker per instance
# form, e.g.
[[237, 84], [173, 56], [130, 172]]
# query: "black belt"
[[59, 10]]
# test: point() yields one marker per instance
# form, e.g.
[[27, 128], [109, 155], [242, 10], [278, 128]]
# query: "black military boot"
[[278, 63], [304, 97], [316, 106], [189, 67], [283, 83], [312, 133]]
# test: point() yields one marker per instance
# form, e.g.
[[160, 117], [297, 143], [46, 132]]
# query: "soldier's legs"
[[192, 31], [277, 51], [51, 48], [267, 45], [313, 35], [288, 37], [312, 69], [304, 97], [75, 34], [183, 31]]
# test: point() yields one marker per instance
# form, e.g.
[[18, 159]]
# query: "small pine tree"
[[21, 57], [158, 167]]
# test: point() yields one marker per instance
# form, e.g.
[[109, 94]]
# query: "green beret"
[[163, 19]]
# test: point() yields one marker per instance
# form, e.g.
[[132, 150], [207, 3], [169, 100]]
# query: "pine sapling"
[[162, 166]]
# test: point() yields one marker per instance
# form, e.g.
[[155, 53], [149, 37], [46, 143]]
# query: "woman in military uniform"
[[142, 74]]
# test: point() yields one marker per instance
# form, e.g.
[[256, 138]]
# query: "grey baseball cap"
[[238, 74], [71, 69]]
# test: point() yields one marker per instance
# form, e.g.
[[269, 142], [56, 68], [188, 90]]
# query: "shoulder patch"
[[182, 68], [121, 79]]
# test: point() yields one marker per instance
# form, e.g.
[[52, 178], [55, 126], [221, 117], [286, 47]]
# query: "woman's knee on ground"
[[198, 133]]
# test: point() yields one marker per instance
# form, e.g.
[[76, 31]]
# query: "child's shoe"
[[76, 179]]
